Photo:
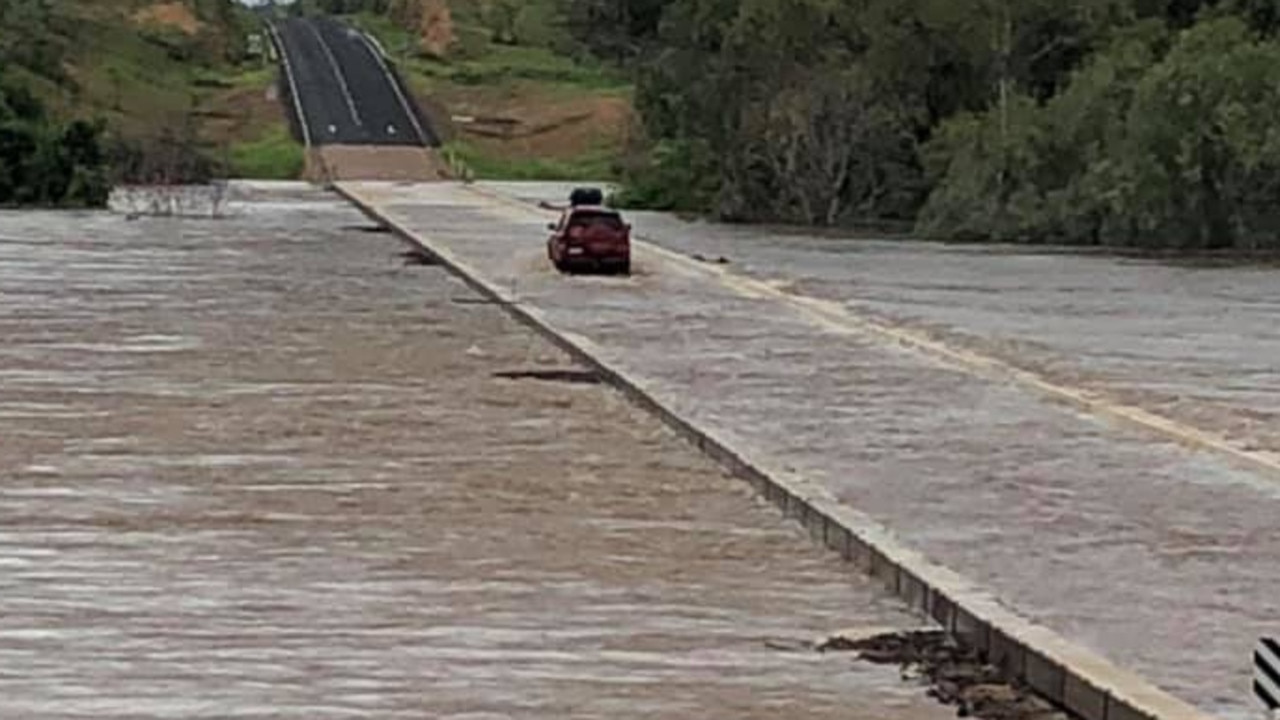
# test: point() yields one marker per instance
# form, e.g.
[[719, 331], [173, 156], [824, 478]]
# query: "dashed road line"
[[337, 71], [377, 54]]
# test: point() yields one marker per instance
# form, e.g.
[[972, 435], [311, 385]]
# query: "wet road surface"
[[257, 467], [1194, 340], [1159, 557]]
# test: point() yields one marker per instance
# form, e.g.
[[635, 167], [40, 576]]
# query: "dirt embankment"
[[174, 15], [955, 675], [375, 162], [241, 113], [526, 122], [430, 20]]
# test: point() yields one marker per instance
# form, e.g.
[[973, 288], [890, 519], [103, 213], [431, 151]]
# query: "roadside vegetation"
[[1140, 123], [1124, 123], [44, 159], [101, 92], [530, 101], [1101, 122], [274, 155]]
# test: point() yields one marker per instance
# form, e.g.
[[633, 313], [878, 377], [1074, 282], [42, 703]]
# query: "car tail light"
[[575, 232]]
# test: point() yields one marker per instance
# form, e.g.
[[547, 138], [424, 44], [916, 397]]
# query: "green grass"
[[142, 79], [48, 92], [121, 73], [595, 165], [275, 156], [531, 69], [480, 62], [245, 76], [506, 63], [397, 41]]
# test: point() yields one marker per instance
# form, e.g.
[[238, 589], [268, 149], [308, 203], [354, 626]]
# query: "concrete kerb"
[[1076, 679]]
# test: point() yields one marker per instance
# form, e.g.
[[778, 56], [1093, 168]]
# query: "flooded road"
[[1156, 556], [1195, 341], [258, 467]]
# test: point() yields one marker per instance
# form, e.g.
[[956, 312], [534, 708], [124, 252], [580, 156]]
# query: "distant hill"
[[170, 85], [133, 63]]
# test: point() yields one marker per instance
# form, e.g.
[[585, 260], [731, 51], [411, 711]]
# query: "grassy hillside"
[[174, 82]]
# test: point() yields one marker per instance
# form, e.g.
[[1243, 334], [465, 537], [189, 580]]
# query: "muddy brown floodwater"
[[260, 467]]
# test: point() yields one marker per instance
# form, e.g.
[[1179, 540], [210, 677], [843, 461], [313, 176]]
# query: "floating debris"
[[789, 645], [718, 260], [418, 256], [374, 229], [571, 376], [956, 675]]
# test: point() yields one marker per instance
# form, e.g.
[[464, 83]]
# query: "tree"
[[44, 162], [615, 29], [1202, 142], [1094, 121]]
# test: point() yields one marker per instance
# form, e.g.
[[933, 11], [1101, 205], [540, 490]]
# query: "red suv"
[[590, 237]]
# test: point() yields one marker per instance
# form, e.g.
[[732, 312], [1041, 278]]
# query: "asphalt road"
[[345, 93]]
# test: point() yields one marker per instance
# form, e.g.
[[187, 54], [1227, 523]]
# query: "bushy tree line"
[[343, 7], [1160, 140], [471, 24], [1089, 121], [1110, 122], [42, 161], [34, 35]]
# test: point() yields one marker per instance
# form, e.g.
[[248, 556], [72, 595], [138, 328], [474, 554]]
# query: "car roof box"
[[586, 196]]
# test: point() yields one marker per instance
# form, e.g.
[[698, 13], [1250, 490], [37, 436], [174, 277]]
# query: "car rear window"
[[609, 220]]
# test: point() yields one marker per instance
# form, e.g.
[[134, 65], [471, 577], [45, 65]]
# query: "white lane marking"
[[337, 71], [381, 50], [293, 85], [395, 86], [838, 318]]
